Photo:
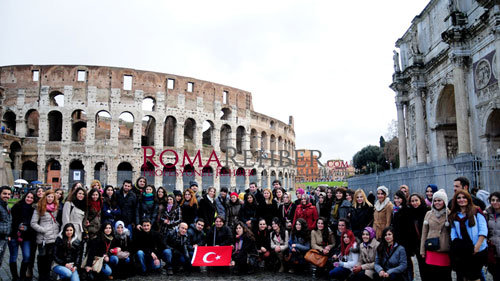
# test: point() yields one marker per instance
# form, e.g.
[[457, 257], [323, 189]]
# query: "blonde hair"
[[94, 182], [270, 200], [365, 200], [42, 204], [193, 200]]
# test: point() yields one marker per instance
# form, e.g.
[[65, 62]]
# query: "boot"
[[281, 261], [24, 269], [29, 271], [13, 271]]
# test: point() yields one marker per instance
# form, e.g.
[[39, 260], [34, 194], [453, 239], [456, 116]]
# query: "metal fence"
[[483, 173]]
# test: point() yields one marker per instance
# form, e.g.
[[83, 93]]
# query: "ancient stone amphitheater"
[[66, 123]]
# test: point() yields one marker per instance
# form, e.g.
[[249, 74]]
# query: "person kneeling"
[[178, 248], [390, 263], [98, 248], [148, 246], [298, 244], [67, 254], [348, 258], [244, 252]]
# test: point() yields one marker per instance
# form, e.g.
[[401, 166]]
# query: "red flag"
[[212, 256]]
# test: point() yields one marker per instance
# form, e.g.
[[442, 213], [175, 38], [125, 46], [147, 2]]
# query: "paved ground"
[[195, 276]]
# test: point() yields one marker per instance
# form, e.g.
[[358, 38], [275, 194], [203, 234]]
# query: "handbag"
[[123, 255], [97, 264], [432, 244], [316, 258]]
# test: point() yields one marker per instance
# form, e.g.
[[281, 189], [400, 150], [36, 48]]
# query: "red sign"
[[212, 256]]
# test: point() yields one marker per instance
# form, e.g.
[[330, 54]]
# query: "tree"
[[382, 142], [391, 152], [369, 159]]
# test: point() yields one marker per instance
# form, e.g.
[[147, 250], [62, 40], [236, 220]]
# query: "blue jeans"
[[146, 260], [340, 273], [106, 270], [65, 273], [130, 230], [113, 260], [14, 248], [167, 257]]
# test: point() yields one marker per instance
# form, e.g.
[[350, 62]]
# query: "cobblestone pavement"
[[195, 276]]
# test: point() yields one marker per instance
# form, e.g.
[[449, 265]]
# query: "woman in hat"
[[383, 211], [365, 268], [233, 209]]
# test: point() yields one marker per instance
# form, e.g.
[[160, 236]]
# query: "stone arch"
[[225, 177], [272, 143], [280, 143], [56, 98], [53, 173], [169, 131], [240, 179], [263, 141], [148, 104], [273, 176], [286, 182], [103, 125], [253, 139], [208, 130], [189, 130], [446, 124], [9, 122], [76, 171], [148, 171], [78, 125], [169, 177], [55, 119], [148, 131], [188, 174], [263, 179], [272, 125], [240, 138], [226, 114], [15, 155], [29, 171], [207, 177], [492, 132], [32, 123], [253, 175], [101, 172], [126, 125], [225, 135], [124, 171]]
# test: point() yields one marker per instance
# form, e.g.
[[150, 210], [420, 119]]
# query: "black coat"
[[21, 214], [248, 212], [196, 237], [286, 212], [267, 211], [361, 217], [149, 211], [148, 242], [403, 224], [179, 244], [189, 213], [219, 236], [98, 247], [128, 205], [263, 239], [207, 211], [64, 254], [247, 247]]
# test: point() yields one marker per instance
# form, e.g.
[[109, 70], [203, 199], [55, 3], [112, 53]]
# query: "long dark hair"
[[401, 194], [282, 234], [470, 212], [23, 200], [303, 232], [246, 231], [67, 242], [103, 227], [383, 246], [325, 233], [80, 204], [111, 201]]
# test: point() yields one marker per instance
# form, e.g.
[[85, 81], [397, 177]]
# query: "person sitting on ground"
[[120, 259], [148, 247], [390, 262], [364, 269], [219, 234], [348, 258], [244, 246], [298, 244], [178, 248], [196, 233], [99, 247], [279, 242], [67, 254], [263, 242]]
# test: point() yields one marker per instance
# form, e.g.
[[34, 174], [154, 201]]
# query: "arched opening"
[[189, 131], [225, 114], [253, 176], [30, 171], [208, 129], [446, 124], [263, 142], [53, 169], [56, 99], [169, 177], [253, 140], [273, 176], [188, 175], [78, 125], [240, 138], [15, 157], [272, 125], [148, 104], [32, 121], [225, 134], [273, 143], [103, 125], [280, 178], [286, 182], [9, 123], [76, 171], [169, 131], [55, 126], [263, 179], [101, 172], [148, 131], [225, 177], [280, 143], [240, 179], [207, 177], [124, 172], [148, 171], [493, 132], [126, 126]]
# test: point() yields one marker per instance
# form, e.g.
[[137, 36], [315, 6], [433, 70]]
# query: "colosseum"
[[66, 123]]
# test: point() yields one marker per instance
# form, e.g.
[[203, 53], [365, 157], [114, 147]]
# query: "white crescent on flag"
[[206, 256]]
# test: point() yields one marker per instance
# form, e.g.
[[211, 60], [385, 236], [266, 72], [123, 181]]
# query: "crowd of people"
[[337, 233]]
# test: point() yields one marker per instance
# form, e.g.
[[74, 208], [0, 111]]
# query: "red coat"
[[309, 213]]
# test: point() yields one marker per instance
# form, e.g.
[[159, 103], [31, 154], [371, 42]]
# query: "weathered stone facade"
[[66, 123], [446, 82]]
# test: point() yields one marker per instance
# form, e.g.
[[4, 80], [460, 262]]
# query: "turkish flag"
[[212, 256]]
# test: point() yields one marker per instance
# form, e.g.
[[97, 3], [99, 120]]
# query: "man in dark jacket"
[[5, 219], [149, 246], [254, 190], [208, 208], [127, 201], [196, 233], [222, 202], [177, 247], [462, 183]]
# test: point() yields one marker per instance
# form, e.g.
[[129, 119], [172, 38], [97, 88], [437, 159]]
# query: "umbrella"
[[36, 182], [20, 181]]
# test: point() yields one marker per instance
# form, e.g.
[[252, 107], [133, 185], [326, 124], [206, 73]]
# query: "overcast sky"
[[327, 63]]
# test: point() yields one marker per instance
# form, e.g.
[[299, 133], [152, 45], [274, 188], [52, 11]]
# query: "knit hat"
[[433, 187], [191, 183], [371, 231], [300, 191], [384, 189], [233, 194], [441, 194]]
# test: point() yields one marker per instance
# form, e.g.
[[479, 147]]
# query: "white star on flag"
[[217, 257]]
